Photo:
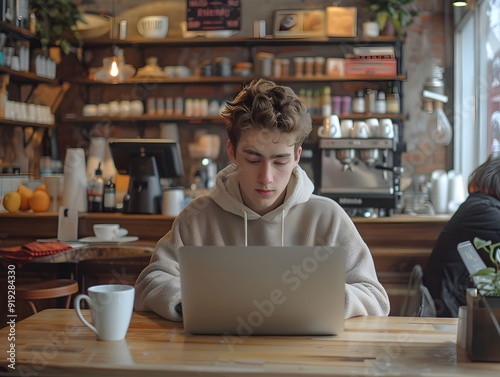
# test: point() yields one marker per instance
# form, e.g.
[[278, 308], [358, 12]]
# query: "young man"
[[262, 198]]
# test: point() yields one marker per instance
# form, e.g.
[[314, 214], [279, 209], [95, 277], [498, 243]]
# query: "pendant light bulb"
[[114, 69], [459, 3]]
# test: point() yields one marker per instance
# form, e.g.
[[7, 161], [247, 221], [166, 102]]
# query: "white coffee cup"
[[109, 232], [114, 108], [373, 126], [172, 201], [90, 110], [111, 309], [346, 127], [386, 128], [153, 26], [360, 130], [330, 127]]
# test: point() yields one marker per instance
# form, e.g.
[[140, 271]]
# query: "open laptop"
[[263, 290]]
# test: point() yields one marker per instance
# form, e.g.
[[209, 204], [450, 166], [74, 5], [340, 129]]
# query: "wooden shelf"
[[7, 27], [27, 77], [18, 123], [240, 41], [141, 118], [237, 80], [202, 119]]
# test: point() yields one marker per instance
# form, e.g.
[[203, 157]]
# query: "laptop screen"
[[291, 290]]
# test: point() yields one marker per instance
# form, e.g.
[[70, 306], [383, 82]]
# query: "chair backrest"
[[418, 301]]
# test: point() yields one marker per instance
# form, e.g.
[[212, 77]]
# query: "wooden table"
[[55, 343]]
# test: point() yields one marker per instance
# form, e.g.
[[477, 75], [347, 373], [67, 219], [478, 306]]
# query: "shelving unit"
[[193, 52], [18, 78]]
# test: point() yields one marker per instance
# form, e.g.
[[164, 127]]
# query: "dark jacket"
[[445, 275]]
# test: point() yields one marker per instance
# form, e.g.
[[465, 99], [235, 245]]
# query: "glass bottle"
[[109, 202], [358, 103], [393, 101], [95, 191]]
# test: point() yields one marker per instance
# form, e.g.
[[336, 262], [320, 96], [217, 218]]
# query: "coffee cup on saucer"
[[109, 232]]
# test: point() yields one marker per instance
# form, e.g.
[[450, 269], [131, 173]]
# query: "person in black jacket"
[[445, 275]]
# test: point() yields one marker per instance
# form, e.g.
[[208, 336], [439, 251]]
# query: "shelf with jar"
[[217, 68], [19, 67], [196, 80]]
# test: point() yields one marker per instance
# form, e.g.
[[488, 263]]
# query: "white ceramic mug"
[[153, 26], [373, 126], [330, 127], [346, 127], [109, 232], [111, 308], [386, 128], [172, 201], [360, 130]]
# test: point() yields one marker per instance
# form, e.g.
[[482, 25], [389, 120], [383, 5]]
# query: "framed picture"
[[299, 23], [341, 21]]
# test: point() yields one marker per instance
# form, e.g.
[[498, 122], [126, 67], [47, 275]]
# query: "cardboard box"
[[370, 67]]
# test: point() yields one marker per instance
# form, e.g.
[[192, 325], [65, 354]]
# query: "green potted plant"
[[56, 23], [483, 308], [397, 14]]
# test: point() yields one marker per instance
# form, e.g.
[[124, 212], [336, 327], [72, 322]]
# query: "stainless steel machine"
[[361, 173]]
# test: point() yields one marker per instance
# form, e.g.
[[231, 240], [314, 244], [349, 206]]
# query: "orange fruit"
[[12, 201], [39, 201], [26, 194], [42, 187]]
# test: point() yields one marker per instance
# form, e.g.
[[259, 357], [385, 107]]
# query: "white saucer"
[[118, 240]]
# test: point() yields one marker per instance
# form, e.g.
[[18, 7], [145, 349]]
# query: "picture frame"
[[299, 23], [341, 21]]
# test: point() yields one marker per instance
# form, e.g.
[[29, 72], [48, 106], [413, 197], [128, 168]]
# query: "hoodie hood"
[[227, 195]]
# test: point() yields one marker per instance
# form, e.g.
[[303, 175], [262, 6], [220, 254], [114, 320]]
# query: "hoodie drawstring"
[[245, 217], [283, 228]]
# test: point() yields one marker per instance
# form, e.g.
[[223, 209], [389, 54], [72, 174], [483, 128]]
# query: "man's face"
[[264, 168]]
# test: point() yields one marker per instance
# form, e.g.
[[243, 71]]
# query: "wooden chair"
[[46, 290]]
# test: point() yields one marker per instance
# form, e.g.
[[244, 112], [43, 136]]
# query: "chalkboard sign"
[[205, 15]]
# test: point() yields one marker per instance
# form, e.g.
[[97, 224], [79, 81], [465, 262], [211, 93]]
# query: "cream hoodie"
[[221, 218]]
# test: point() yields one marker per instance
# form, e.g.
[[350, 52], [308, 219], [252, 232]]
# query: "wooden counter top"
[[397, 243], [56, 343], [19, 228]]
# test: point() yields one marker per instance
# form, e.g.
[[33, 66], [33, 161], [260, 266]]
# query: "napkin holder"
[[67, 226]]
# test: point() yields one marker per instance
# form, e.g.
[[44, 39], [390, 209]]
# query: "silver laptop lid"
[[294, 290]]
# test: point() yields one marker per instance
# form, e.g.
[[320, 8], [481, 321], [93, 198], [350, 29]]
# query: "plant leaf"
[[479, 243]]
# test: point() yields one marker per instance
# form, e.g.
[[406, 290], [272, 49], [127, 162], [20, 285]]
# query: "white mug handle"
[[77, 301]]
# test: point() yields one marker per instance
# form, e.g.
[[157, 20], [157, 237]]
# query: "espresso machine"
[[361, 174]]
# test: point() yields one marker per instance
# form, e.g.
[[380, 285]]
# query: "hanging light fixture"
[[114, 70], [459, 3]]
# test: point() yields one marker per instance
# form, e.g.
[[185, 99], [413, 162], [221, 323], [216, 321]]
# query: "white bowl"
[[94, 26]]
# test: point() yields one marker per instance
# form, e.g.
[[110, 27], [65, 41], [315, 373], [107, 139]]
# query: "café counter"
[[397, 243]]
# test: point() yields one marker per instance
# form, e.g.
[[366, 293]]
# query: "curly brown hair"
[[486, 178], [273, 108]]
